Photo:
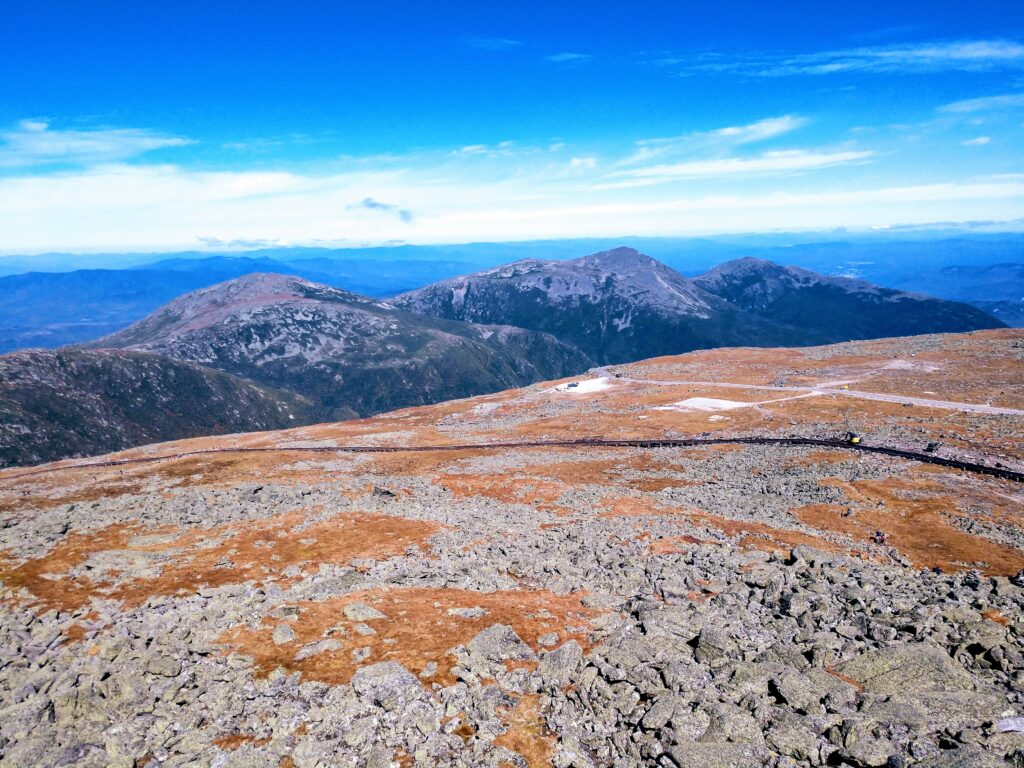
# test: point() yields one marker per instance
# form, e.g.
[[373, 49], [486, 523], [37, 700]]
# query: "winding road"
[[832, 388]]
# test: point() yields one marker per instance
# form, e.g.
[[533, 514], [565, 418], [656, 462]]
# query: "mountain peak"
[[620, 259], [267, 288], [746, 265]]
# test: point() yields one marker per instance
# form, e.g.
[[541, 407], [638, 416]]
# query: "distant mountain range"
[[621, 305], [996, 288], [830, 309], [615, 305], [352, 355], [50, 300], [51, 309], [268, 350]]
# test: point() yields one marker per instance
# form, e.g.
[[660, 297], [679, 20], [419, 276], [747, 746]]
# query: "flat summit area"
[[266, 600]]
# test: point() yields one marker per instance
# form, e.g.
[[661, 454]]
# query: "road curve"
[[996, 470]]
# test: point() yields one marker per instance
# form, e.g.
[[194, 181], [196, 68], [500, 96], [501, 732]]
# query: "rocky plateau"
[[733, 605]]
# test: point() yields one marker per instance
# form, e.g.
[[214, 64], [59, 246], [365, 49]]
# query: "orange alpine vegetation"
[[420, 627], [182, 561], [542, 494], [915, 517], [527, 734]]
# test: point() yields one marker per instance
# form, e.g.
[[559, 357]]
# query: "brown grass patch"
[[918, 527], [818, 457], [539, 493], [228, 554], [671, 545], [235, 741], [415, 463], [418, 630], [633, 506], [527, 734], [993, 615], [609, 472]]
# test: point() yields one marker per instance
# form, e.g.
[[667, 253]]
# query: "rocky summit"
[[621, 305], [350, 354], [479, 583]]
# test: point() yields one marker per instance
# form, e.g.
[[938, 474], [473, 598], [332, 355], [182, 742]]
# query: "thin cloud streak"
[[926, 57], [720, 138], [986, 103], [34, 143], [788, 161], [493, 43], [567, 57]]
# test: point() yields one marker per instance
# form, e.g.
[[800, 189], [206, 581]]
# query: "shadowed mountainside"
[[60, 403], [347, 353], [621, 305]]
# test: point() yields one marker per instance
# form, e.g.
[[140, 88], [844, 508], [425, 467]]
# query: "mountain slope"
[[42, 309], [1007, 311], [344, 351], [615, 305], [620, 305], [836, 308], [61, 403]]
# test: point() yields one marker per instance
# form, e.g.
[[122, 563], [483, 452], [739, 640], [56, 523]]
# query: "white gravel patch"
[[584, 387], [704, 404]]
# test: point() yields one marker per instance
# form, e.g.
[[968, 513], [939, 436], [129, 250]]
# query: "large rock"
[[951, 711], [907, 669], [362, 612], [558, 666], [499, 643], [714, 644], [699, 755], [386, 681]]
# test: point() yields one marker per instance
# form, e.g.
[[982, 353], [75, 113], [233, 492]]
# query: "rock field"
[[573, 606]]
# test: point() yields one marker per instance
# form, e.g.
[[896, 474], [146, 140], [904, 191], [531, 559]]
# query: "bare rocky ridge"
[[836, 308], [621, 305], [730, 606], [350, 354]]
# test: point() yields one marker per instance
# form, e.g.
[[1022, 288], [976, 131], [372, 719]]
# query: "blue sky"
[[137, 125]]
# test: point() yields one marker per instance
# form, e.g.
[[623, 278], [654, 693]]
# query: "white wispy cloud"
[[499, 191], [493, 43], [980, 141], [761, 130], [570, 57], [34, 142], [780, 162], [986, 103], [243, 243], [918, 57], [730, 136], [164, 207]]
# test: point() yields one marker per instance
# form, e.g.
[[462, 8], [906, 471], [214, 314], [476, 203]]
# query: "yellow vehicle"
[[853, 438]]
